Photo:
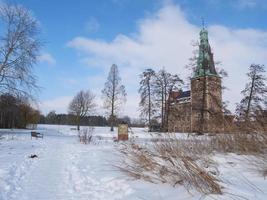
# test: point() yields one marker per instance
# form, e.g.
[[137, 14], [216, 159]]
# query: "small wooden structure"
[[123, 132], [36, 135]]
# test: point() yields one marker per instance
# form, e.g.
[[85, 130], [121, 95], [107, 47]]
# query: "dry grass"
[[172, 161], [188, 162], [258, 163], [240, 143], [262, 165], [253, 146]]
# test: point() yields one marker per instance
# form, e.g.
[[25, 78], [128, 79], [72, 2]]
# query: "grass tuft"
[[174, 162]]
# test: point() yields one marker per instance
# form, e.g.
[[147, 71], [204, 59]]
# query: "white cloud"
[[68, 82], [164, 39], [47, 58], [247, 3], [250, 4], [92, 25], [59, 104]]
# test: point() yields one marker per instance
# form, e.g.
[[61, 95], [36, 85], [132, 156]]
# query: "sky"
[[82, 39]]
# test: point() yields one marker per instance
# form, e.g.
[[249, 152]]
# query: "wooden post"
[[123, 132]]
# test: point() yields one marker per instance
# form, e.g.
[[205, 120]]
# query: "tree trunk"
[[112, 104], [162, 107], [78, 122], [202, 120], [167, 112], [112, 115], [111, 123], [149, 108], [165, 106], [203, 107], [250, 97]]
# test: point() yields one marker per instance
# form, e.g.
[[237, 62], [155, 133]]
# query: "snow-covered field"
[[66, 169]]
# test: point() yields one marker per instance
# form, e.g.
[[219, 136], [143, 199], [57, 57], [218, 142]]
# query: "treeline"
[[69, 119], [16, 112]]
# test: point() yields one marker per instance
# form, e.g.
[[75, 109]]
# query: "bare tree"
[[161, 92], [191, 66], [147, 102], [81, 105], [254, 94], [174, 84], [165, 83], [19, 49], [114, 94]]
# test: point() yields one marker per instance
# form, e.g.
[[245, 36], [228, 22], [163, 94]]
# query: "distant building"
[[199, 110]]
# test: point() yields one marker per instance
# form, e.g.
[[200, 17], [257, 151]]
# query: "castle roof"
[[179, 95], [184, 94], [205, 62]]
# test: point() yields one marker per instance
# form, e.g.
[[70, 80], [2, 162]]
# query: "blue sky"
[[83, 38]]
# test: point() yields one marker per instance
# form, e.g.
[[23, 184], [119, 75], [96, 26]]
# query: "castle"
[[199, 110]]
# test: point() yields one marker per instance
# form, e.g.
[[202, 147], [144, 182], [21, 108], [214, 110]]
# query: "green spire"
[[205, 62]]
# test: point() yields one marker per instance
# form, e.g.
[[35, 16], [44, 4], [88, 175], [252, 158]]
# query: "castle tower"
[[206, 95]]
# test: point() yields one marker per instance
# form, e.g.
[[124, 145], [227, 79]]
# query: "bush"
[[86, 135]]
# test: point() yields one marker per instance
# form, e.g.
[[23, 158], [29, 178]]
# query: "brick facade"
[[201, 110]]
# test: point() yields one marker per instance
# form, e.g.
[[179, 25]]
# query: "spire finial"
[[203, 22]]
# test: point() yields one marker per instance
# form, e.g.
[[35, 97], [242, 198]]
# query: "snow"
[[66, 169]]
